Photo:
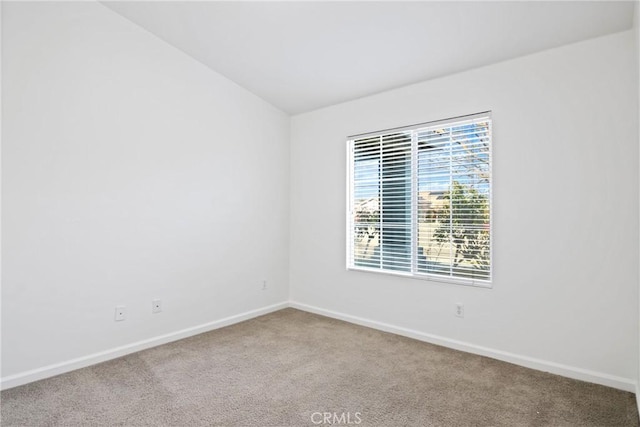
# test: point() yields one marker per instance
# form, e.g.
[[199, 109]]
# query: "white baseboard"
[[92, 359], [529, 362], [625, 384]]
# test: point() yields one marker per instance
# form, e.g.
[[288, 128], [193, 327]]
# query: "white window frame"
[[414, 273]]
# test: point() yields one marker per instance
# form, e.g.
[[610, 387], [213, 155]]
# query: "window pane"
[[366, 212], [453, 208], [396, 202]]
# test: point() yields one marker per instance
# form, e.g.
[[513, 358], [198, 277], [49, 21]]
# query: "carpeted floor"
[[289, 368]]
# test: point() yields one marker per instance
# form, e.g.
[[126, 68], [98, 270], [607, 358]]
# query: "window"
[[419, 201]]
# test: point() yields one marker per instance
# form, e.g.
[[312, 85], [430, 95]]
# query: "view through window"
[[420, 200]]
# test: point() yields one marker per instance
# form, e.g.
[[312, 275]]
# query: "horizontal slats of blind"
[[420, 199]]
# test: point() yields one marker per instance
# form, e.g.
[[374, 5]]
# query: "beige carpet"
[[289, 368]]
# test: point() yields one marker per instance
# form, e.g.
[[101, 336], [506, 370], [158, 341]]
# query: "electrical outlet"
[[121, 313], [156, 306], [459, 310]]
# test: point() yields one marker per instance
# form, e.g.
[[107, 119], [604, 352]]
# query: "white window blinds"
[[420, 200]]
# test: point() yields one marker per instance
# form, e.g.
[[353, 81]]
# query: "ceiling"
[[301, 56]]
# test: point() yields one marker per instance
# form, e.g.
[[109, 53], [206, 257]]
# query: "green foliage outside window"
[[464, 222]]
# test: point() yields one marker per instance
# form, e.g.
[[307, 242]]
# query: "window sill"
[[476, 283]]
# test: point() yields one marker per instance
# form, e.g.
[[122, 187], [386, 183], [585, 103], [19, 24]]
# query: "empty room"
[[300, 213]]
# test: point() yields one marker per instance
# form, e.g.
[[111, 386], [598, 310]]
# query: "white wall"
[[1, 70], [565, 288], [636, 27], [129, 172]]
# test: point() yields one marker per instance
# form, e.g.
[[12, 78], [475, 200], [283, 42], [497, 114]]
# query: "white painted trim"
[[529, 362], [92, 359], [621, 383], [638, 386]]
